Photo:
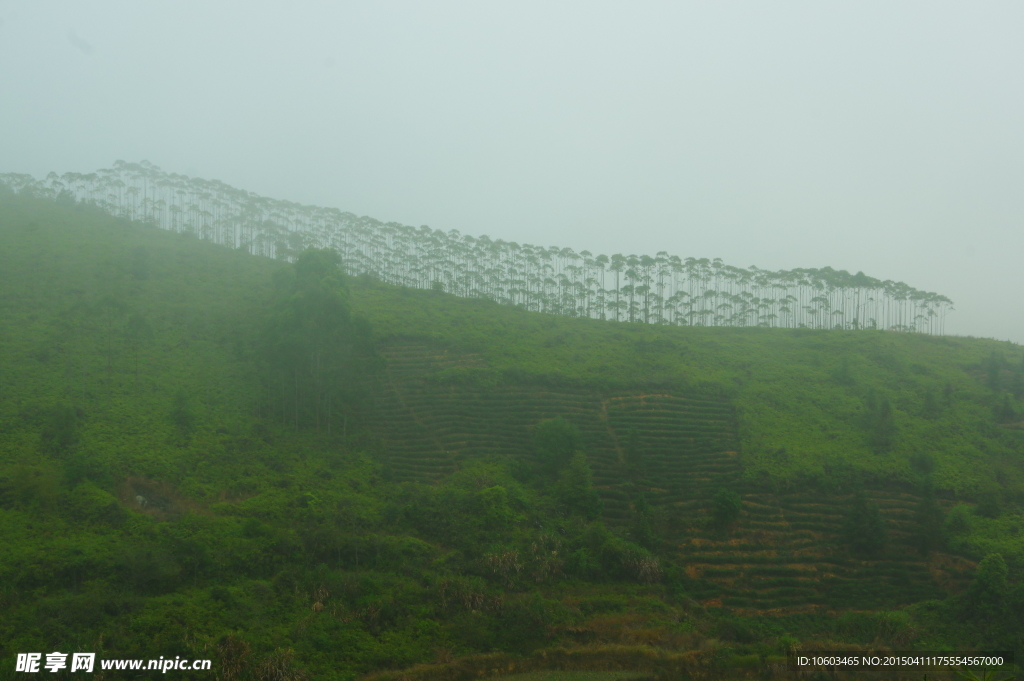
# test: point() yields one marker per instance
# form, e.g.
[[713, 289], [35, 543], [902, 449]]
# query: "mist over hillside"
[[765, 135], [512, 341], [210, 453], [664, 289]]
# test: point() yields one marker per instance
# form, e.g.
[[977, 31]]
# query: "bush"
[[641, 530], [556, 441], [60, 429], [863, 528], [583, 564], [989, 590], [989, 501], [958, 522], [182, 416], [881, 423], [89, 502], [929, 519], [575, 489], [727, 507], [494, 511]]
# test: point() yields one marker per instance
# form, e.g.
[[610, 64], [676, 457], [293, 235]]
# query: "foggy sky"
[[876, 136]]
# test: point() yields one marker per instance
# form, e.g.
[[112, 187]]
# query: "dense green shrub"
[[863, 527], [575, 489], [989, 589], [727, 507], [556, 441], [929, 519]]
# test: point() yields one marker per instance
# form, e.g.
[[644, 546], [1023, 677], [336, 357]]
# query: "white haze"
[[876, 136]]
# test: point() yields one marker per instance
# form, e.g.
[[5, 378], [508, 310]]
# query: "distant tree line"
[[660, 289]]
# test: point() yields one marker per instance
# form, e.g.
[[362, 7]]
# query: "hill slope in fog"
[[476, 478]]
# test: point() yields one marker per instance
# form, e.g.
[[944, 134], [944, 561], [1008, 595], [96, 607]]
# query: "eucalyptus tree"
[[663, 289]]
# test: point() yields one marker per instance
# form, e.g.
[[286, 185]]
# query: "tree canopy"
[[316, 352], [863, 526], [557, 440], [660, 289]]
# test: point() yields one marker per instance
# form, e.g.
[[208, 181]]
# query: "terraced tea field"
[[783, 555], [676, 448]]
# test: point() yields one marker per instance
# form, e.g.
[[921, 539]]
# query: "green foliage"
[[597, 553], [893, 628], [91, 503], [575, 488], [557, 441], [930, 409], [863, 527], [1006, 412], [1016, 383], [781, 383], [60, 429], [881, 423], [583, 563], [993, 367], [989, 501], [183, 417], [30, 486], [929, 519], [478, 506], [641, 528], [924, 464], [494, 511], [317, 353], [633, 454], [156, 494], [989, 589], [958, 522], [843, 375], [469, 377], [727, 507]]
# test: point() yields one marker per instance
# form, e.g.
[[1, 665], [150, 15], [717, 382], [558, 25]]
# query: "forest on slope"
[[659, 289], [195, 461]]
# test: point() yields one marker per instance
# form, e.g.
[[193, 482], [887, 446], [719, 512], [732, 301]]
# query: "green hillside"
[[174, 483]]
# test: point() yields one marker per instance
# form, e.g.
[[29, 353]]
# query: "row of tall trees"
[[660, 289]]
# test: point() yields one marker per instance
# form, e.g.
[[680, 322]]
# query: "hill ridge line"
[[663, 289]]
